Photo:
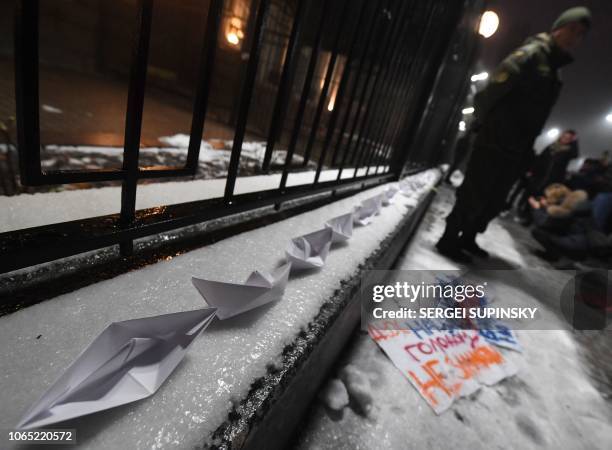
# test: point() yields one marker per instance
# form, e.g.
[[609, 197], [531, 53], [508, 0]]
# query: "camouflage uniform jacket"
[[517, 101]]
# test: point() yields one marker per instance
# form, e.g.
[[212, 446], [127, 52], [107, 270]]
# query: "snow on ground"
[[550, 403], [178, 143], [214, 158], [38, 343], [30, 210]]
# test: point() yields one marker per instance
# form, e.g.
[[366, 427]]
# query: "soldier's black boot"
[[449, 246], [467, 241]]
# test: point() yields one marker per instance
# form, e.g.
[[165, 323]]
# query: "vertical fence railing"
[[282, 97], [383, 48], [133, 116], [312, 63], [341, 89], [246, 95], [383, 60]]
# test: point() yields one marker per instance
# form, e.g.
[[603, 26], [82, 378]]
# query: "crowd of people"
[[570, 212]]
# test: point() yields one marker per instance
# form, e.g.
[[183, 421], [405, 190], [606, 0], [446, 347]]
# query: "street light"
[[462, 125], [553, 133], [488, 24], [468, 110], [479, 77], [609, 118], [232, 38]]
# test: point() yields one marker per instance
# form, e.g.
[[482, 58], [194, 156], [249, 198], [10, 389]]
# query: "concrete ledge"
[[268, 416], [226, 391]]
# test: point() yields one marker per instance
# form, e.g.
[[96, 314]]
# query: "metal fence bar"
[[355, 86], [98, 232], [299, 116], [329, 73], [246, 93], [394, 107], [133, 118], [205, 72], [368, 82], [360, 102], [390, 53], [396, 128], [389, 133], [386, 105], [378, 97], [434, 62], [284, 88], [26, 91], [331, 125]]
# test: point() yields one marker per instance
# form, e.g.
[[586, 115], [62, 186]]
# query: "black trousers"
[[490, 174]]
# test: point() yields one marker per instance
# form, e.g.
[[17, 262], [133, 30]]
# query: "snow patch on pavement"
[[334, 395], [358, 386]]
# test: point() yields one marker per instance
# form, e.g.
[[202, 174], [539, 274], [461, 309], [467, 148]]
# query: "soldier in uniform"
[[510, 113]]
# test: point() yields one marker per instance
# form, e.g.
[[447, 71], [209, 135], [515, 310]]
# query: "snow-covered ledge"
[[225, 368]]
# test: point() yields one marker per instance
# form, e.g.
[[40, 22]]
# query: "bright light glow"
[[468, 110], [553, 133], [488, 24], [330, 105], [609, 118], [232, 38], [479, 77], [462, 125]]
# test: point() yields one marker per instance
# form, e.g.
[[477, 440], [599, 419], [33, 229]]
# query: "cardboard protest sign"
[[442, 365], [493, 330]]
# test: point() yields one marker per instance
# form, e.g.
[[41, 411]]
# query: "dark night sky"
[[587, 93]]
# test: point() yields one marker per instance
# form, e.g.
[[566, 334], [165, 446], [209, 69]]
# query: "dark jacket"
[[550, 166], [516, 103]]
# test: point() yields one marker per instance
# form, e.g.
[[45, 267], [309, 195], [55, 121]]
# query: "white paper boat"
[[389, 195], [232, 299], [341, 226], [128, 361], [364, 213], [309, 251]]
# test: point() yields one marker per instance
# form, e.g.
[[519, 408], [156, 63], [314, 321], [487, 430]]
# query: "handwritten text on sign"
[[441, 365]]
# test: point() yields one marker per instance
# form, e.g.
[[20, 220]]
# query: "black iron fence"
[[380, 57]]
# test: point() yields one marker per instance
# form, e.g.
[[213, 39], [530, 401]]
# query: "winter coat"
[[563, 202], [512, 109], [550, 166]]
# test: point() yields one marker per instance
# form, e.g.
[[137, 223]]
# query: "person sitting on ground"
[[587, 237], [548, 167], [557, 207]]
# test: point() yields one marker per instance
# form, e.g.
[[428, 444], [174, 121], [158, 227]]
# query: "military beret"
[[576, 14]]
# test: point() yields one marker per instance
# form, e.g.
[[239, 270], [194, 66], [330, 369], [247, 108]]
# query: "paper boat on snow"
[[310, 251], [389, 194], [407, 186], [364, 213], [341, 226], [128, 361], [232, 299]]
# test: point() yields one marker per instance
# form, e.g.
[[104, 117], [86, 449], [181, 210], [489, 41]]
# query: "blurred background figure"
[[594, 176], [548, 167]]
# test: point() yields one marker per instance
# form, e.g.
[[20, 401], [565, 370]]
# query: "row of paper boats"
[[130, 360]]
